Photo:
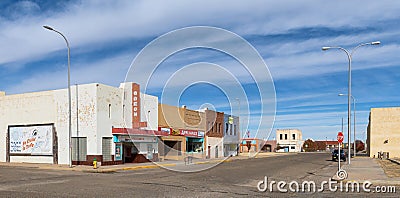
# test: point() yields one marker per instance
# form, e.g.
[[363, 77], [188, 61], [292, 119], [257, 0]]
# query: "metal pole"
[[349, 109], [342, 124], [77, 125], [354, 123], [69, 94], [349, 57]]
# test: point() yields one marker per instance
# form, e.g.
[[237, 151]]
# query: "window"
[[280, 136], [220, 128], [109, 110], [234, 129], [294, 136], [226, 128], [79, 148], [106, 148], [230, 130], [292, 148], [285, 136]]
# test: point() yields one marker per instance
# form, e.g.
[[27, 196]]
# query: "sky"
[[302, 81]]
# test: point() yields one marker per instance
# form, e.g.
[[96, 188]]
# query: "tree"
[[321, 145], [309, 146], [360, 146]]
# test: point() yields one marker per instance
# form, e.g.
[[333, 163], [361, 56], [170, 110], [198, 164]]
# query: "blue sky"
[[105, 36]]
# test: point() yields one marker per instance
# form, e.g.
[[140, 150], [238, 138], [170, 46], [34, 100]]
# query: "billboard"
[[31, 140]]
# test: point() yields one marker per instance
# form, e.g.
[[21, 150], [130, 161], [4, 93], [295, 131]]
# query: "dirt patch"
[[391, 169]]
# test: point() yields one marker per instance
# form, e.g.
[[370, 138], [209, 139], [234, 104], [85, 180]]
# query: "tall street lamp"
[[349, 56], [354, 123], [240, 124], [69, 94]]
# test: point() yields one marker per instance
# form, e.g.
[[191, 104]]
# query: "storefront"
[[194, 142], [136, 146]]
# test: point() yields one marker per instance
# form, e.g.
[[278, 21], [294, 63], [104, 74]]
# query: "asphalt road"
[[237, 178]]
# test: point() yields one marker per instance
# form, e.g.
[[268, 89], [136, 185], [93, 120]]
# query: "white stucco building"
[[107, 124], [289, 140]]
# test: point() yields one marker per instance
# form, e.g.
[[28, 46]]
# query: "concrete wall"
[[214, 142], [383, 131], [24, 109], [149, 111]]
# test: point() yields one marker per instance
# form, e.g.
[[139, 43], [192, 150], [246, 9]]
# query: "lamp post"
[[240, 118], [354, 123], [349, 57], [69, 94]]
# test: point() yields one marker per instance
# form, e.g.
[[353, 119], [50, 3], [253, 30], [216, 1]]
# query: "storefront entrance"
[[130, 152]]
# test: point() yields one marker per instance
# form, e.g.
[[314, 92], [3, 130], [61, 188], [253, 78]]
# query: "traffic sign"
[[340, 137]]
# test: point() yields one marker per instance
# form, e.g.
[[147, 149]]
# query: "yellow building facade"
[[383, 132]]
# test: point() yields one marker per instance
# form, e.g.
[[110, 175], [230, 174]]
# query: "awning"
[[130, 131]]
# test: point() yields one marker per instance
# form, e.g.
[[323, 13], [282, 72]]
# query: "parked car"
[[335, 155]]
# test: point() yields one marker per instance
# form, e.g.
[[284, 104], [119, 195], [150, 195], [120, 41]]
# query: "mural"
[[34, 140]]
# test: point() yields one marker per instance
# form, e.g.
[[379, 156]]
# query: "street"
[[237, 178]]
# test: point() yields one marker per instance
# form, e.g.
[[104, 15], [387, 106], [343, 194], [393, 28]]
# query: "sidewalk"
[[368, 169], [137, 166]]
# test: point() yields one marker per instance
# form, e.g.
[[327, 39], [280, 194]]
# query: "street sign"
[[340, 137]]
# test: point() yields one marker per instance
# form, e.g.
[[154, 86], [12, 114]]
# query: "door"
[[216, 151], [209, 152]]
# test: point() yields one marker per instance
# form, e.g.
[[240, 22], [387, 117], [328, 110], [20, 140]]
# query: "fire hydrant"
[[95, 163]]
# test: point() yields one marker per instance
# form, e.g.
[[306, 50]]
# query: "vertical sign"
[[118, 152], [135, 105]]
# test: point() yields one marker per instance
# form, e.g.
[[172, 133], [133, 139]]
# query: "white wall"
[[92, 119], [25, 109], [149, 111], [213, 142]]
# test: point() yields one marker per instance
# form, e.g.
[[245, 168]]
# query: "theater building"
[[112, 124]]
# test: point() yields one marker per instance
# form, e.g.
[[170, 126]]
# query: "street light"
[[241, 127], [349, 56], [69, 93], [354, 123]]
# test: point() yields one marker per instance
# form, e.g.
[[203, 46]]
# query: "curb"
[[214, 161], [111, 170]]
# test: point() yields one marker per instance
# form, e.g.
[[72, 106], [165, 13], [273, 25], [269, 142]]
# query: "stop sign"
[[340, 137]]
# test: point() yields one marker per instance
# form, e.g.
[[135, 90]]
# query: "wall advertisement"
[[31, 140]]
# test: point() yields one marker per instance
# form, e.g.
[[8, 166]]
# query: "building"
[[111, 124], [383, 133], [231, 135], [214, 134], [186, 130], [251, 145], [269, 146], [289, 140]]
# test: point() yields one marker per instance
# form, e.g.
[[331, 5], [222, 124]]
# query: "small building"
[[252, 145], [231, 136], [289, 140], [269, 146], [383, 134], [214, 134], [186, 132]]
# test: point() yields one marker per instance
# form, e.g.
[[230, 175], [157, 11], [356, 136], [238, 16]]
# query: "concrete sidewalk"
[[137, 166], [367, 169]]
